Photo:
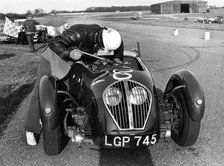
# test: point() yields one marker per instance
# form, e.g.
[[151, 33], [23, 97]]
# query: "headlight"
[[112, 96], [138, 95]]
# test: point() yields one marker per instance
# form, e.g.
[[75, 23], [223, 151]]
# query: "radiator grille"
[[128, 116]]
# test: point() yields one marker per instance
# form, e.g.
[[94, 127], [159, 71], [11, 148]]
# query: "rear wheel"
[[184, 130]]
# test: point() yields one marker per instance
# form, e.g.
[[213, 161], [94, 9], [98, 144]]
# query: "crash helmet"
[[66, 26], [111, 39]]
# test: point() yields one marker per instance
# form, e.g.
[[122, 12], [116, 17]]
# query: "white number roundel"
[[122, 74]]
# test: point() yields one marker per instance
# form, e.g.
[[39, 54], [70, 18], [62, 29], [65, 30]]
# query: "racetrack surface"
[[164, 54]]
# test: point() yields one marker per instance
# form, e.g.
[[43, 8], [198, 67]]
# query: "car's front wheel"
[[184, 130], [52, 116], [54, 141]]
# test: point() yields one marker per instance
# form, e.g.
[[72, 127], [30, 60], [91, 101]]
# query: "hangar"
[[179, 6]]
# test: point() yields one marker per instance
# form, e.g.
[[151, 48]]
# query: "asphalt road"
[[164, 54]]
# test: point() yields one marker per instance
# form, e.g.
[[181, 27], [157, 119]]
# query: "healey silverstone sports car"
[[118, 106]]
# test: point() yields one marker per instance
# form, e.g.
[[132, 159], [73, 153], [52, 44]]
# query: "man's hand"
[[76, 54], [118, 61]]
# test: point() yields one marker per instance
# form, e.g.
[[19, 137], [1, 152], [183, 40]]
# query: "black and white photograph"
[[112, 83]]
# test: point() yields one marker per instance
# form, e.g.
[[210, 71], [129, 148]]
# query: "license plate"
[[130, 140]]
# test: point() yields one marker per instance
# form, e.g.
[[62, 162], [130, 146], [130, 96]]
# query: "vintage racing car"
[[119, 106]]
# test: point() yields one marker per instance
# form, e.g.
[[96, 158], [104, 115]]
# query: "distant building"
[[179, 6]]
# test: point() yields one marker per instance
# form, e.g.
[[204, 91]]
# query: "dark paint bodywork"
[[94, 85], [104, 119], [86, 86]]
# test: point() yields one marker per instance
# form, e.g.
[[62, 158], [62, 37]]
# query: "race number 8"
[[122, 74]]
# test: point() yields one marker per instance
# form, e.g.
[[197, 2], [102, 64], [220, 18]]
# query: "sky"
[[22, 6]]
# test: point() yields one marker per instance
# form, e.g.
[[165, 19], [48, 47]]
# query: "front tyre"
[[52, 141], [184, 130], [55, 140], [52, 116]]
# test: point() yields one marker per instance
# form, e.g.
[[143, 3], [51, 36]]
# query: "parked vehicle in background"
[[40, 35], [203, 20], [134, 17], [6, 38], [215, 19], [22, 35]]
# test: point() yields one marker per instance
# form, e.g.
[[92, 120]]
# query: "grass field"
[[18, 66]]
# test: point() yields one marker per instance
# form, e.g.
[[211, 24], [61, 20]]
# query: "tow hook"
[[75, 135], [168, 129], [165, 132], [165, 127]]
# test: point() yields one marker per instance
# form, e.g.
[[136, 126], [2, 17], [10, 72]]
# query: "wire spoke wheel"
[[178, 117], [184, 130]]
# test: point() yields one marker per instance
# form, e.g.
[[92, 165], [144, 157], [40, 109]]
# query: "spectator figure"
[[30, 26]]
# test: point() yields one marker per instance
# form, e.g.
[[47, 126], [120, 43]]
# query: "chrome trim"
[[127, 116], [130, 111]]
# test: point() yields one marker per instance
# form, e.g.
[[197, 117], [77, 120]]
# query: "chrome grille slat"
[[143, 113], [124, 113], [122, 106]]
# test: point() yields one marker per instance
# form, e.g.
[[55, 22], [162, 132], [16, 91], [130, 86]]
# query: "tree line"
[[40, 12], [13, 16], [118, 8]]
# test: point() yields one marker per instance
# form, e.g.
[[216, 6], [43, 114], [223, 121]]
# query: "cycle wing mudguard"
[[193, 93]]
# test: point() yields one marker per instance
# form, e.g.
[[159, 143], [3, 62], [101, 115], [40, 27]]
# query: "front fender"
[[192, 92], [48, 99]]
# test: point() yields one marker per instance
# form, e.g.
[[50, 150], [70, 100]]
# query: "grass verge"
[[10, 104], [18, 71]]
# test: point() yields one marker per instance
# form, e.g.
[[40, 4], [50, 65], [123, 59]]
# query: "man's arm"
[[63, 44]]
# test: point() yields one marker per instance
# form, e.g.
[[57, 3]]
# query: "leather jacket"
[[85, 37]]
